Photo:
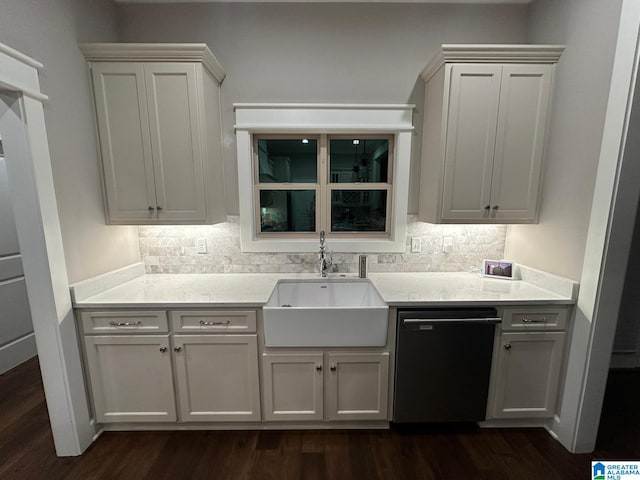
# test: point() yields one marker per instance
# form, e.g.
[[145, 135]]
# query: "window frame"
[[387, 186], [317, 119], [323, 187], [282, 186]]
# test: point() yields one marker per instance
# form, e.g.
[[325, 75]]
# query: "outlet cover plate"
[[201, 245]]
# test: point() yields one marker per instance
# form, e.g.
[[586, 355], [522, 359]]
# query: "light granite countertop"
[[131, 287]]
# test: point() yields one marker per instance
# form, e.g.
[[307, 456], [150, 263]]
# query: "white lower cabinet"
[[293, 386], [357, 386], [354, 386], [527, 374], [131, 378], [135, 376], [217, 377]]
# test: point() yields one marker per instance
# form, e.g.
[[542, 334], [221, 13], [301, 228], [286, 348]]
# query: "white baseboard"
[[17, 352]]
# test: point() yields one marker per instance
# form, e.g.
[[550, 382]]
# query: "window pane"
[[287, 210], [358, 160], [288, 161], [358, 210]]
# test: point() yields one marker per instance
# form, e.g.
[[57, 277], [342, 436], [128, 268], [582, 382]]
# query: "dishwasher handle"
[[452, 320]]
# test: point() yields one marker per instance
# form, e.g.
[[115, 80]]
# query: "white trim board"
[[324, 118], [614, 205], [33, 199]]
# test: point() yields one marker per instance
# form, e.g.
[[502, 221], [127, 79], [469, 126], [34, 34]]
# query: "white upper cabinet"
[[486, 111], [158, 118]]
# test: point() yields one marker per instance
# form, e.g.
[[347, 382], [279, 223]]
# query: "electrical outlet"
[[447, 244], [201, 245], [416, 244]]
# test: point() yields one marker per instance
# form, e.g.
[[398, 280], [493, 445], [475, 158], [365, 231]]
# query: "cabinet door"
[[174, 95], [471, 132], [217, 377], [527, 374], [125, 143], [522, 120], [131, 378], [293, 386], [357, 386]]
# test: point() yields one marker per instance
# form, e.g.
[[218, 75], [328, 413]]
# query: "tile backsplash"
[[172, 249]]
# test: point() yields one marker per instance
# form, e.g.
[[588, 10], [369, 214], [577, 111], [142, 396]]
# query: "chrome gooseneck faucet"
[[324, 256]]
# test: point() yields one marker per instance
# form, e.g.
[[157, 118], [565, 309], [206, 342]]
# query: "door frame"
[[613, 212], [31, 189]]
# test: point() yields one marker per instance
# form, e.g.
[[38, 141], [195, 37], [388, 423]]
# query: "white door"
[[293, 386], [522, 120], [217, 377], [174, 96], [125, 142], [357, 386], [527, 375], [471, 132], [131, 378]]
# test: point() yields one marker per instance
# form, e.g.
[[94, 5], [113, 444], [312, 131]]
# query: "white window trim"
[[324, 118]]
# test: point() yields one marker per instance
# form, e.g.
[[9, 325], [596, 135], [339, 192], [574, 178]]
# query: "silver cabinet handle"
[[177, 348], [210, 324], [125, 324], [487, 207], [495, 207], [507, 346], [318, 368], [526, 320], [159, 208], [333, 368], [163, 349], [151, 209], [452, 320]]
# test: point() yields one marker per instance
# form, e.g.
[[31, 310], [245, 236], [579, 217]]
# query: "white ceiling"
[[326, 1]]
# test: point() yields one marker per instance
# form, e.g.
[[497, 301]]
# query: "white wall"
[[588, 28], [322, 52], [49, 32]]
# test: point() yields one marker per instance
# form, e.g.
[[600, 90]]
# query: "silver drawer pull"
[[526, 320], [125, 324], [211, 324]]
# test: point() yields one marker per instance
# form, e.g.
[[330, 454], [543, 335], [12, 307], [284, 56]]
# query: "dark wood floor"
[[26, 447]]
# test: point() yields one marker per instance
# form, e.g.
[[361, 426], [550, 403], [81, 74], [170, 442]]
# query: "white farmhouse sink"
[[325, 313]]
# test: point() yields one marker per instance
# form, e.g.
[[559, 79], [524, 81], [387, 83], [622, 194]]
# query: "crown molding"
[[488, 53], [154, 52]]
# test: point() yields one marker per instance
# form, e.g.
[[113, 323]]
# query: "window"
[[304, 168], [341, 184]]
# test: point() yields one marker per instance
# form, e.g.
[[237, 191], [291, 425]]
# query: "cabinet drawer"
[[231, 321], [125, 322], [534, 318]]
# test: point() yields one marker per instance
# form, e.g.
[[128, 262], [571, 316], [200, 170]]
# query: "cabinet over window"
[[486, 113], [158, 122]]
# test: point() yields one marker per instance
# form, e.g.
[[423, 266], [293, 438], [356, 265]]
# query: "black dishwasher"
[[443, 363]]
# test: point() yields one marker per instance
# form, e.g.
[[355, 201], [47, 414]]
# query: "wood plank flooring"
[[26, 447]]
